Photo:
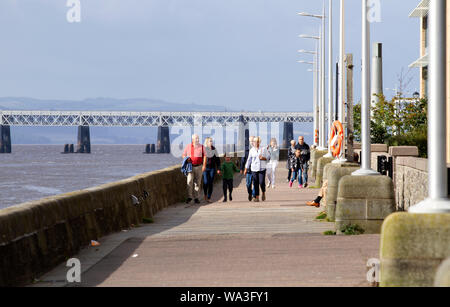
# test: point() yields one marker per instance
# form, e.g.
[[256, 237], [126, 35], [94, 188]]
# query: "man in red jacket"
[[196, 152]]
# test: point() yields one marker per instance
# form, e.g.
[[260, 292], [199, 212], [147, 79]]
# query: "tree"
[[396, 122]]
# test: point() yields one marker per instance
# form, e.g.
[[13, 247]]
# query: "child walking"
[[296, 164], [227, 170]]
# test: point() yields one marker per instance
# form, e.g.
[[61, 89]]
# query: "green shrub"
[[352, 230], [321, 216], [329, 233]]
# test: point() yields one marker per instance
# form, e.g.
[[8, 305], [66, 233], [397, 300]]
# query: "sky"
[[236, 53]]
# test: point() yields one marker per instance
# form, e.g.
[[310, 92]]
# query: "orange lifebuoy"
[[336, 138], [316, 136]]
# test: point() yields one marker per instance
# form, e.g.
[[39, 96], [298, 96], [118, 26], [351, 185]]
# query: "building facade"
[[421, 12]]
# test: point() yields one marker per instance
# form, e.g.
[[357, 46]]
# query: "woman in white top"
[[257, 163], [274, 153]]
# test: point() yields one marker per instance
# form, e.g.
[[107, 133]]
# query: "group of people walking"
[[297, 163], [201, 163]]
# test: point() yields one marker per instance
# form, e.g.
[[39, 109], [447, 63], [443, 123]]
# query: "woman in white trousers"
[[274, 152]]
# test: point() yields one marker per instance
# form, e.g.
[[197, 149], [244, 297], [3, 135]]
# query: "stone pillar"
[[243, 135], [377, 74], [163, 145], [5, 139], [288, 135], [84, 140]]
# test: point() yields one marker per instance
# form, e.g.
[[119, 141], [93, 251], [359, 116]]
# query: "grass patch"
[[322, 216], [352, 230], [329, 233], [147, 220]]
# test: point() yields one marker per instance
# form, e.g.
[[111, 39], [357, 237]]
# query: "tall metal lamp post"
[[321, 96], [342, 66], [437, 201], [365, 169], [315, 88], [315, 94]]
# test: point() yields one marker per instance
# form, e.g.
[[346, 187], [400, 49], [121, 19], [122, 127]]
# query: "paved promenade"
[[272, 243]]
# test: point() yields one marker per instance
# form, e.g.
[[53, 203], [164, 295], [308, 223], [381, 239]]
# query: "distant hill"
[[103, 104]]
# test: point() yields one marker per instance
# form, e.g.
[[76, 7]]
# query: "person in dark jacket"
[[248, 177], [305, 155], [296, 164], [212, 166], [291, 154]]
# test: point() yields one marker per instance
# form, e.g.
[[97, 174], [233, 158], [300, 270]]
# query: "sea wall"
[[37, 236]]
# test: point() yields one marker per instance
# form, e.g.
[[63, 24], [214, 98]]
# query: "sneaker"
[[300, 186], [268, 184], [264, 197], [256, 200], [196, 201], [313, 204], [188, 201], [288, 180], [224, 200], [250, 197], [305, 185], [209, 200], [231, 197], [273, 187], [290, 184]]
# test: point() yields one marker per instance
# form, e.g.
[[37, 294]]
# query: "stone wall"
[[37, 236], [411, 181]]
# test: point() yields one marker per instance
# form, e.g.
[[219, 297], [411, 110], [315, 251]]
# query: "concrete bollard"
[[71, 148], [364, 201], [334, 173], [66, 148], [412, 248], [315, 156], [152, 148], [147, 148], [442, 278], [320, 170]]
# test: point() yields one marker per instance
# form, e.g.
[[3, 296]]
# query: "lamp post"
[[437, 201], [365, 169], [315, 89], [342, 67], [315, 94], [321, 101], [330, 74], [322, 134]]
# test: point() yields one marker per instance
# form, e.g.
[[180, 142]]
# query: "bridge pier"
[[288, 135], [243, 135], [5, 139], [84, 140], [163, 145]]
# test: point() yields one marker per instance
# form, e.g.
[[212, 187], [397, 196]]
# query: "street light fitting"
[[309, 36], [305, 51], [310, 15], [306, 62]]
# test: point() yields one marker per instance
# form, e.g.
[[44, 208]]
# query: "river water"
[[36, 171]]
